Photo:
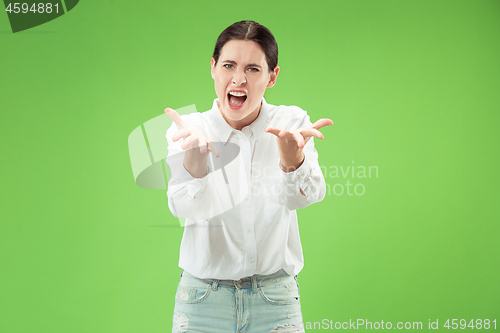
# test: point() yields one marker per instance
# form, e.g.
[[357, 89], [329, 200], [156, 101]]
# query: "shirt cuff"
[[195, 185], [299, 177]]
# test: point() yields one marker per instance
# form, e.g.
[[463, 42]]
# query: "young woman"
[[241, 252]]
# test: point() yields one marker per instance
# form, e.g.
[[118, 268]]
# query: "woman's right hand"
[[195, 144]]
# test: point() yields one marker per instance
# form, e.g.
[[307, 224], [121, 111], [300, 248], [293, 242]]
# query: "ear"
[[212, 64], [273, 77]]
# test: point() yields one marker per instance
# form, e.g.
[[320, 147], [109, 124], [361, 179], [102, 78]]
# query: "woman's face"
[[241, 77]]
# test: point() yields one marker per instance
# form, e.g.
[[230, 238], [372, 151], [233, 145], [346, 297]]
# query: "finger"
[[202, 143], [274, 131], [182, 133], [205, 146], [299, 138], [175, 118], [213, 149], [190, 142], [322, 123], [285, 134], [312, 132]]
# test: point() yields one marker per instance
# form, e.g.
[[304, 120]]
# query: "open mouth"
[[236, 99]]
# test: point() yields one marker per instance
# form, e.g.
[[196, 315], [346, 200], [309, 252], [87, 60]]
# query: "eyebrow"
[[232, 62]]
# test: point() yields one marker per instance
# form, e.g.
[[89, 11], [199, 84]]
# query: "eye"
[[253, 69], [228, 66]]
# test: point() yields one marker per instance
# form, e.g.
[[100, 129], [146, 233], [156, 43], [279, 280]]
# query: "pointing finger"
[[175, 118]]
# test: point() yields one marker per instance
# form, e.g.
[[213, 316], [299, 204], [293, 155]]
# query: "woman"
[[241, 251]]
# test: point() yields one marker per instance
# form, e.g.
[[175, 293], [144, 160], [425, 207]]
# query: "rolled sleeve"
[[194, 186], [308, 178], [186, 199]]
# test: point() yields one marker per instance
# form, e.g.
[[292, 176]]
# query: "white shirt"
[[241, 219]]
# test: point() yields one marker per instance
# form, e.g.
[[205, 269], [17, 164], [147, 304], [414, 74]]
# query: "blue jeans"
[[255, 304]]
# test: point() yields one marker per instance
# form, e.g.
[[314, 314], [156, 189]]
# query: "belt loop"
[[254, 283], [215, 284]]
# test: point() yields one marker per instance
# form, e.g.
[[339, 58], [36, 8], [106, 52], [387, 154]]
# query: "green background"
[[412, 86]]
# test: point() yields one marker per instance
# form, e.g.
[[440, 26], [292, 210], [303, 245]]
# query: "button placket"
[[247, 215]]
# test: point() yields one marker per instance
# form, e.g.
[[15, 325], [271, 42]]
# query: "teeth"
[[237, 93]]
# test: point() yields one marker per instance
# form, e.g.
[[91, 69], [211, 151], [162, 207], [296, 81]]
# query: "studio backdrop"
[[407, 235]]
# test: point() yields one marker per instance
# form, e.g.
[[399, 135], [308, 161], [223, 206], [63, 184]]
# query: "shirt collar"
[[224, 130]]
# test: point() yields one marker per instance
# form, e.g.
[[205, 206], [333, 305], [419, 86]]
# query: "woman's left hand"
[[291, 142]]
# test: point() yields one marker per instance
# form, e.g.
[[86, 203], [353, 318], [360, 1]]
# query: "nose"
[[239, 78]]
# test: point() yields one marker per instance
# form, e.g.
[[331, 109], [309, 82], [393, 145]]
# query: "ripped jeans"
[[255, 304]]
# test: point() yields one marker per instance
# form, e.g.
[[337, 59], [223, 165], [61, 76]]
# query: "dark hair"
[[252, 31]]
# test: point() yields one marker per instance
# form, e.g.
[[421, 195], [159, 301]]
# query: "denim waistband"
[[245, 282]]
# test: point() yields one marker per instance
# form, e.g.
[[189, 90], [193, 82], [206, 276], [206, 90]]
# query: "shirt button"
[[248, 230], [251, 260]]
